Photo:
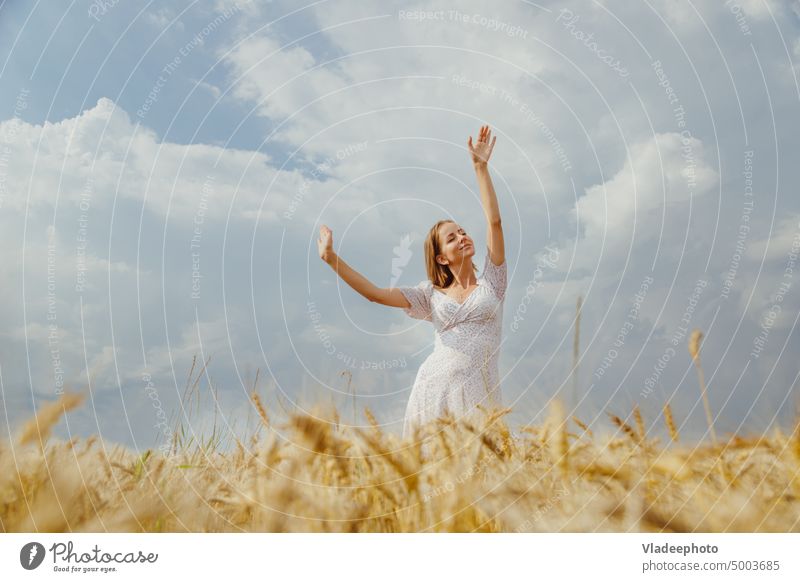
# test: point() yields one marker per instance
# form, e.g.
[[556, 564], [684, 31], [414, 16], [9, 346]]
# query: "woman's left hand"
[[482, 150]]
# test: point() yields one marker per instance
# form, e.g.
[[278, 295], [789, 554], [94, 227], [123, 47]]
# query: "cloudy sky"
[[164, 169]]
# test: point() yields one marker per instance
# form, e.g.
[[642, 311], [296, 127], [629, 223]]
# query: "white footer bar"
[[401, 557]]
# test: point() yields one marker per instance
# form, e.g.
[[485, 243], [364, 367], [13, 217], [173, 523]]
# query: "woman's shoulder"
[[426, 285]]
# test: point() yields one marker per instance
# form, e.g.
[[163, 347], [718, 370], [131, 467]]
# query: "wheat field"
[[465, 475]]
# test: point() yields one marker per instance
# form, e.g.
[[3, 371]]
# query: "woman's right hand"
[[482, 151], [325, 243]]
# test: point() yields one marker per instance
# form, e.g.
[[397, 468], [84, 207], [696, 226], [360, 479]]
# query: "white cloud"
[[763, 9], [212, 89], [778, 244], [656, 176], [102, 150], [265, 74], [163, 18], [87, 272]]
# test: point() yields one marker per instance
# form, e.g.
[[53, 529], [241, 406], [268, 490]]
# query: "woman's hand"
[[325, 243], [482, 150]]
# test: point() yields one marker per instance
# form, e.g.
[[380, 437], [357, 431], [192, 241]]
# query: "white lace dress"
[[462, 370]]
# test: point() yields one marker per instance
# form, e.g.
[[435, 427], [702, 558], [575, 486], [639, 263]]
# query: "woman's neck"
[[464, 278]]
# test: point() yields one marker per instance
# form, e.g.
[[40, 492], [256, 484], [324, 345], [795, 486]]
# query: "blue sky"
[[161, 192]]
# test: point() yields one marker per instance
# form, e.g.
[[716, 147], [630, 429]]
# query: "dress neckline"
[[471, 293]]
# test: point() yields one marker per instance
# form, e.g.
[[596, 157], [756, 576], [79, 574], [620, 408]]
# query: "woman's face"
[[455, 244]]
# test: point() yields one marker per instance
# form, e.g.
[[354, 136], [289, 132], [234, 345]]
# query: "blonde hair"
[[439, 275]]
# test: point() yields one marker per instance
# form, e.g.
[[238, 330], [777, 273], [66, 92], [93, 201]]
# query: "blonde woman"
[[465, 309]]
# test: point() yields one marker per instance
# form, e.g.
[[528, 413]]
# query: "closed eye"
[[452, 236]]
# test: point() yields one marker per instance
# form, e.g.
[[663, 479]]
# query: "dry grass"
[[459, 475]]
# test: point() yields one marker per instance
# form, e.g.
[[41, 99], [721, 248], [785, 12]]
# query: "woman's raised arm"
[[392, 297], [481, 152]]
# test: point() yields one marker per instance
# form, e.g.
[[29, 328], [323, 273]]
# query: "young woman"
[[466, 310]]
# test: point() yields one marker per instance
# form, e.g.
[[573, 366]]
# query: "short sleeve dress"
[[462, 370]]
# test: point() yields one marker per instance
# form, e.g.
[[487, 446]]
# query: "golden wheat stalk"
[[626, 428], [637, 415], [557, 439], [796, 437], [371, 418], [694, 350], [670, 421], [40, 426], [583, 426], [262, 413]]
